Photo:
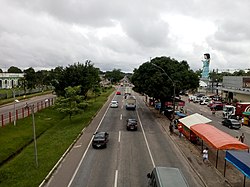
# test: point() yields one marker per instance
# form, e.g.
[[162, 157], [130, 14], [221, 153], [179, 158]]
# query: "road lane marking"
[[119, 137], [116, 177], [77, 146], [80, 163], [143, 132], [121, 117]]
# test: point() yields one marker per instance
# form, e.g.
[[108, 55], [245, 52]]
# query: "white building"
[[9, 80]]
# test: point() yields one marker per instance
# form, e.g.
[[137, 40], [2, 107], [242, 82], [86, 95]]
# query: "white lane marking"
[[119, 137], [121, 117], [116, 177], [74, 175], [78, 146], [143, 132]]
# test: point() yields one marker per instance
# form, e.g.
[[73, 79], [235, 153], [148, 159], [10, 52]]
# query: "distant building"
[[236, 88], [9, 80]]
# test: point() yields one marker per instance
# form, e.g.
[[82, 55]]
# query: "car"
[[217, 107], [204, 102], [114, 104], [210, 103], [131, 124], [100, 140], [231, 123], [118, 93]]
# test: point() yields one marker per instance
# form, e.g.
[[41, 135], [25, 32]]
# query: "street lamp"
[[172, 83], [15, 101], [34, 131]]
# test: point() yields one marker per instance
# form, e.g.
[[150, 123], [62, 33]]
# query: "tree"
[[14, 69], [72, 103], [114, 76], [85, 75], [30, 78], [43, 78], [1, 71], [158, 84]]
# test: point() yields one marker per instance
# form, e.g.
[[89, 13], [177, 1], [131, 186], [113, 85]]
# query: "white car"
[[114, 104]]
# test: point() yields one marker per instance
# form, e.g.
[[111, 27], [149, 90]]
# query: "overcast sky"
[[123, 34]]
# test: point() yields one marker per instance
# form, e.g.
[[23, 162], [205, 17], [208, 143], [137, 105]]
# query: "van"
[[166, 177]]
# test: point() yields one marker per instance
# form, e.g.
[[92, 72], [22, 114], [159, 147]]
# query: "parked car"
[[114, 104], [213, 102], [131, 124], [217, 107], [204, 101], [118, 93], [231, 123], [100, 140]]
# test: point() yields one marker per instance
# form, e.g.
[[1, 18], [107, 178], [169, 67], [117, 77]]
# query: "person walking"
[[205, 154], [171, 128], [242, 138]]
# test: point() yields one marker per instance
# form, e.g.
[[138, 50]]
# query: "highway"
[[129, 156]]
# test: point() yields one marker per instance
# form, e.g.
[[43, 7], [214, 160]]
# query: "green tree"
[[43, 78], [14, 69], [158, 82], [85, 75], [30, 78], [72, 103], [114, 76], [1, 71]]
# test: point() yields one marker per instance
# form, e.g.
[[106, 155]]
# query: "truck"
[[128, 90], [230, 111], [130, 102]]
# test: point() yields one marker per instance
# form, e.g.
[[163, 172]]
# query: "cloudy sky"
[[123, 34]]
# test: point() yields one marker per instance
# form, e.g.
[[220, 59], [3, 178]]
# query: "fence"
[[25, 111]]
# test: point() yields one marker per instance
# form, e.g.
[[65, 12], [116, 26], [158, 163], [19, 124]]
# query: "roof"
[[180, 114], [246, 113], [170, 177], [217, 138], [241, 160], [194, 119]]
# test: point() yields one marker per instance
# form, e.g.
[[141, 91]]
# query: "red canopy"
[[217, 138]]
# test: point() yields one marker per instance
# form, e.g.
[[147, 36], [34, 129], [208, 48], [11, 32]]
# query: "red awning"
[[217, 138]]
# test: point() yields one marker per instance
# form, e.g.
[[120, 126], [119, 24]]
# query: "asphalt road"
[[129, 156]]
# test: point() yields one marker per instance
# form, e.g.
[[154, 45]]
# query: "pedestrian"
[[213, 111], [171, 128], [205, 154], [242, 138]]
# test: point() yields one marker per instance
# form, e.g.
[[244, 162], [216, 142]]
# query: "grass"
[[54, 133]]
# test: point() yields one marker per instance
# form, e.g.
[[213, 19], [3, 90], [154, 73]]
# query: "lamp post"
[[172, 84], [15, 100], [34, 132]]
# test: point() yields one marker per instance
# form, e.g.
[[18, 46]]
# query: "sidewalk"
[[212, 177]]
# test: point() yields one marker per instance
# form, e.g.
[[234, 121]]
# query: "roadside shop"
[[186, 122]]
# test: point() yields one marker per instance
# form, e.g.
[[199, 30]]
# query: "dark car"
[[100, 140], [217, 107], [231, 123], [131, 124]]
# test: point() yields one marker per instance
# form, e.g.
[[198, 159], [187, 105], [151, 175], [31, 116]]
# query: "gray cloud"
[[122, 34]]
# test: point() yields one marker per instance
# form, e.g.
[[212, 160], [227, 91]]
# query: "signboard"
[[246, 83]]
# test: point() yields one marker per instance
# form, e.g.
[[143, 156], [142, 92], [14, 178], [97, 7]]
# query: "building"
[[236, 88], [9, 80]]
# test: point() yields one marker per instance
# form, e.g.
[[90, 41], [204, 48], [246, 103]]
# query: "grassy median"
[[55, 133]]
